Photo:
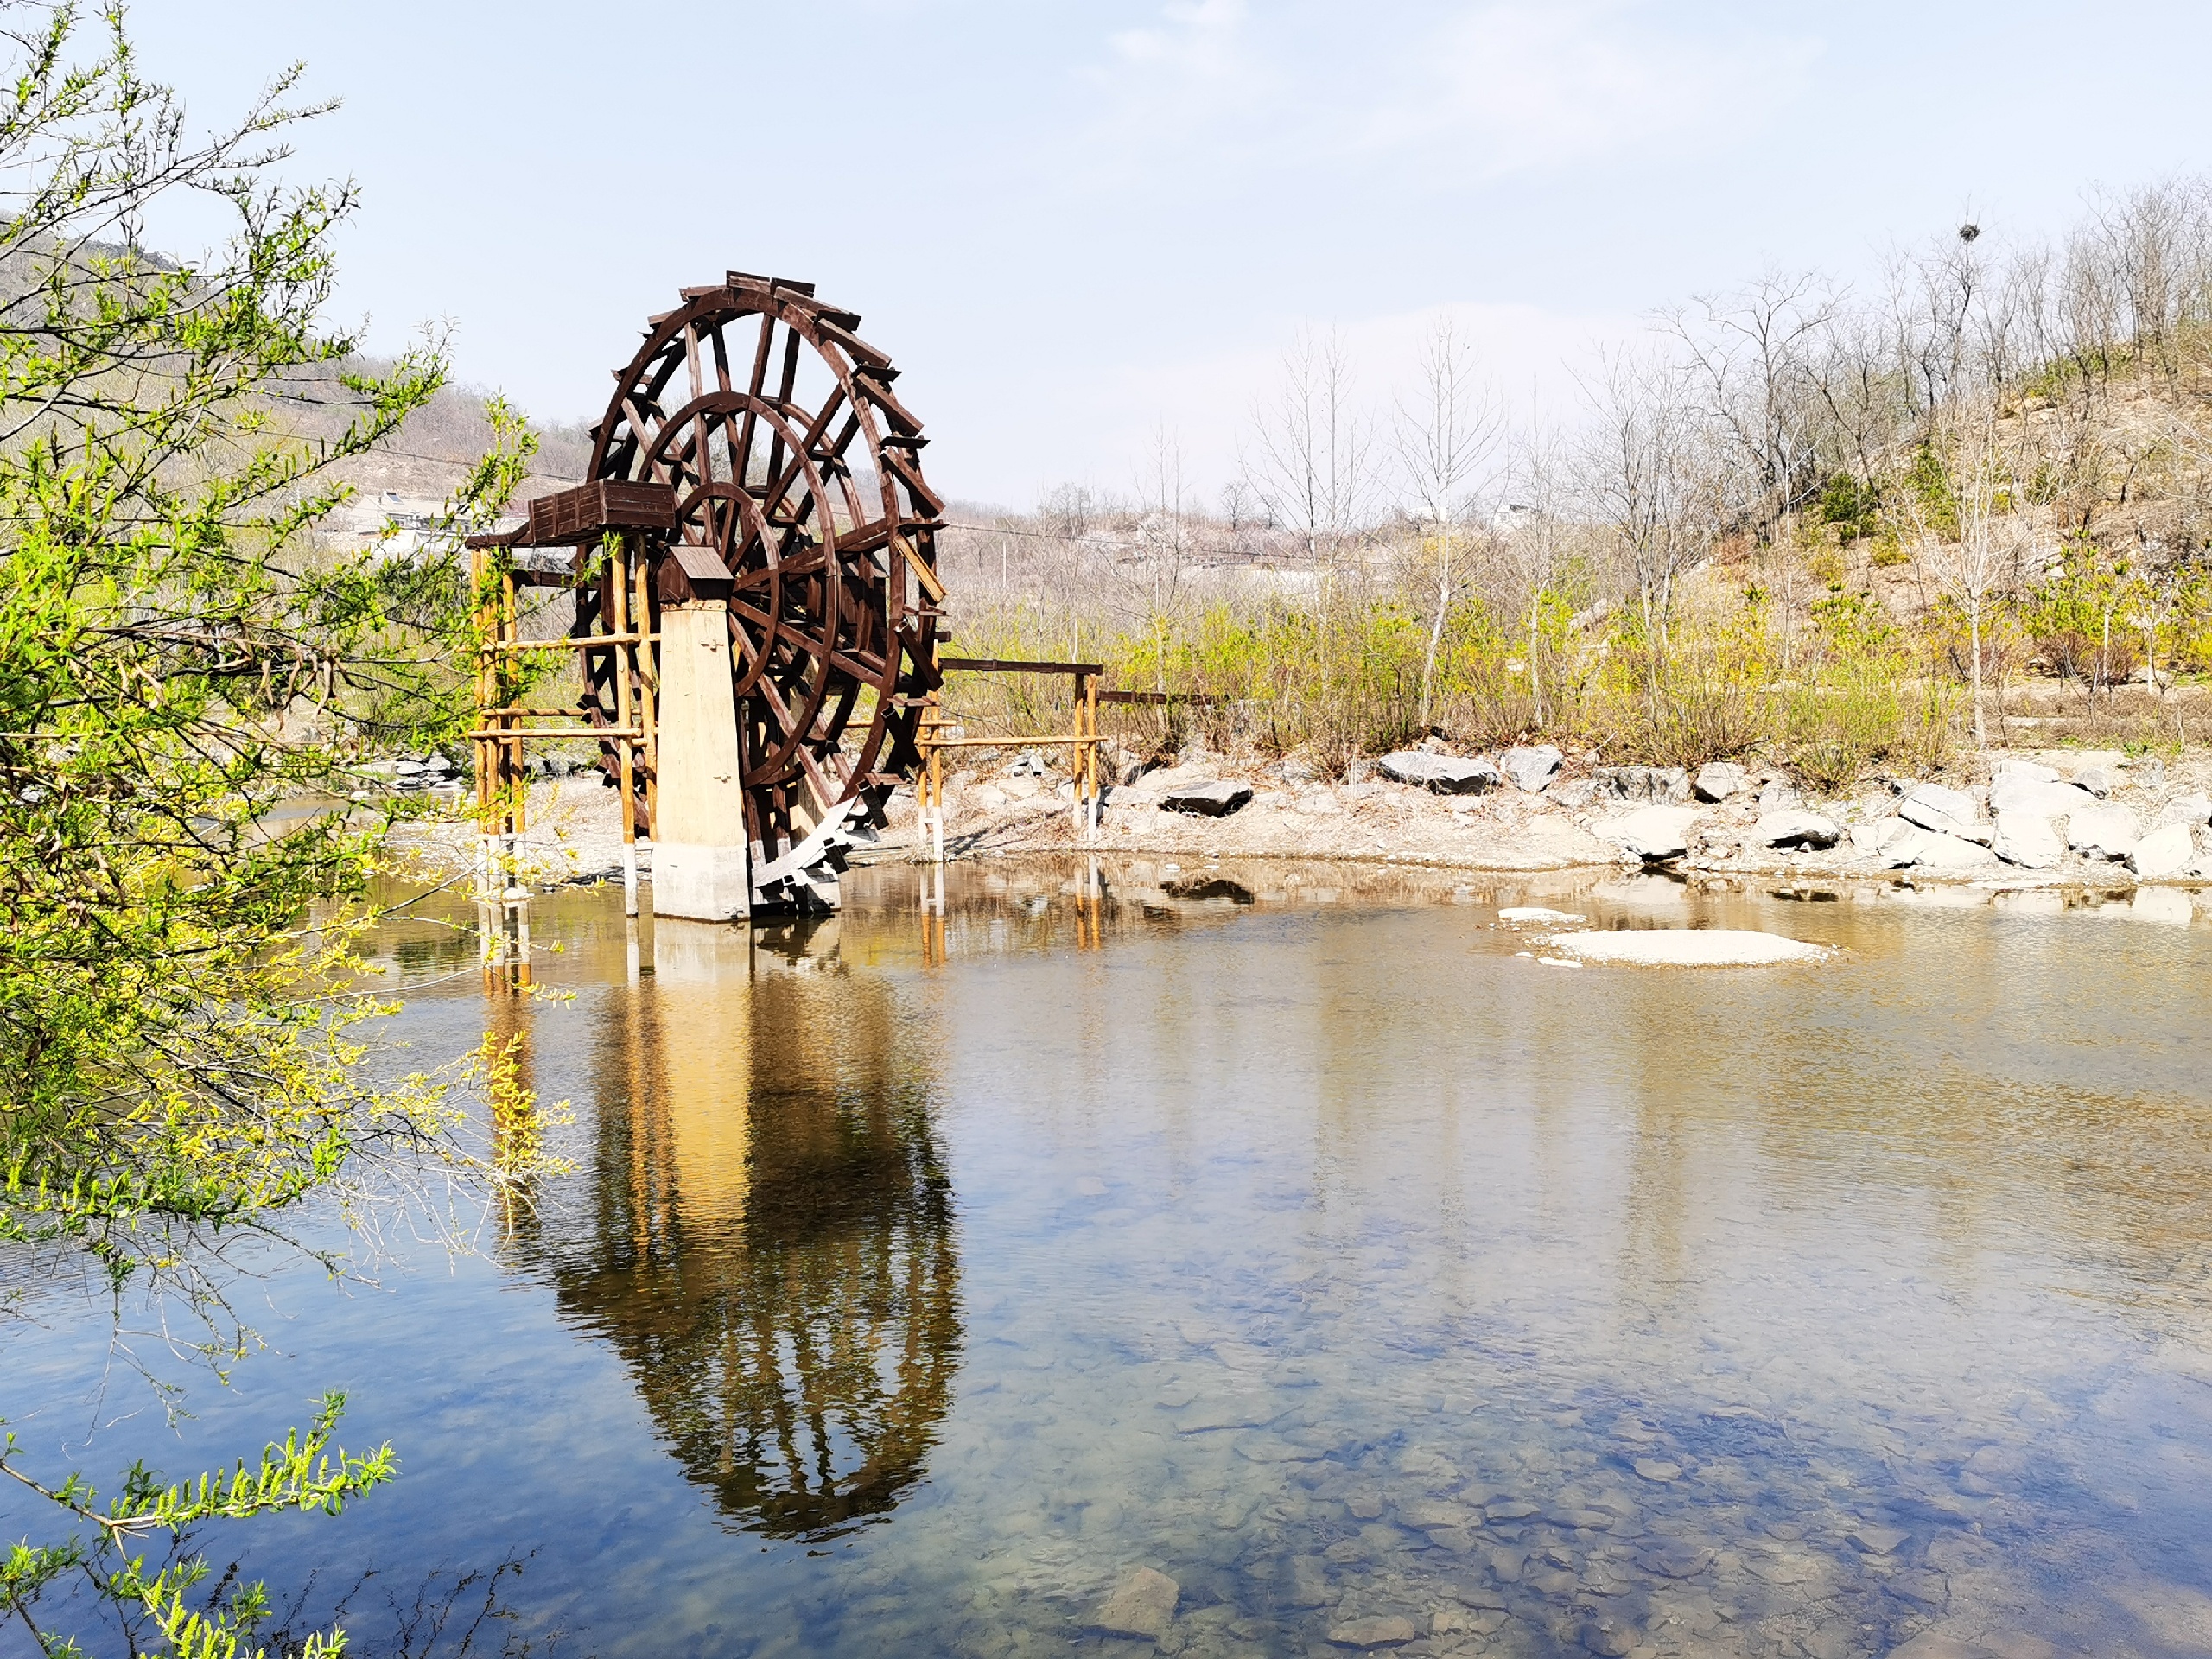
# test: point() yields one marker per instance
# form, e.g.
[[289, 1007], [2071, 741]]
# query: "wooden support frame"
[[504, 728], [929, 740]]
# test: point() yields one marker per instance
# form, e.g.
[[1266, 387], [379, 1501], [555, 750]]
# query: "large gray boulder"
[[2039, 796], [2027, 839], [1441, 773], [1934, 852], [1718, 779], [2104, 832], [1531, 767], [1215, 800], [1794, 828], [2024, 771], [1654, 834], [1872, 835], [1662, 785], [2099, 780], [2168, 850], [1914, 847], [1944, 811], [2195, 811]]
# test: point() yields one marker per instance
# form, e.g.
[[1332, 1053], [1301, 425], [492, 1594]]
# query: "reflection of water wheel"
[[772, 1249], [795, 470]]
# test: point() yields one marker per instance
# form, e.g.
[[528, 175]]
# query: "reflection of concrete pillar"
[[702, 1002], [700, 868]]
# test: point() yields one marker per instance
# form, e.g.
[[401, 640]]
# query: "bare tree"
[[1445, 437], [1971, 565], [1537, 539], [1154, 572], [1645, 480], [1309, 457], [1754, 352]]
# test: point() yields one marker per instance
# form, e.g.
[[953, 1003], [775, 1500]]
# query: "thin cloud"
[[1449, 94], [1529, 87]]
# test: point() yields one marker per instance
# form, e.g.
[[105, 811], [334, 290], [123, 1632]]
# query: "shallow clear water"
[[1291, 1233]]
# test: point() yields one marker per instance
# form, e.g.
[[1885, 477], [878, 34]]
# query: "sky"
[[1075, 226]]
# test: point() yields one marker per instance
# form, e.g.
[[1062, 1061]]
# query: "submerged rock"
[[1305, 1583], [1467, 1621], [1143, 1604], [1670, 1558], [1530, 768], [1441, 773], [1608, 1635], [1362, 1634], [1878, 1540], [1940, 1645], [2027, 839], [1209, 800]]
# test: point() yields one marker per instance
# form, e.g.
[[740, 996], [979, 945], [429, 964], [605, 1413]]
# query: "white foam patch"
[[1535, 913], [1687, 947]]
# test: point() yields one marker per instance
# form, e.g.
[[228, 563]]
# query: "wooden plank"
[[1006, 666]]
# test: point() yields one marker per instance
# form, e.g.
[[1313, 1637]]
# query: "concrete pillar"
[[701, 871]]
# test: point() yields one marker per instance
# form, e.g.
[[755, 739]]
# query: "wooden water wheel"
[[796, 476]]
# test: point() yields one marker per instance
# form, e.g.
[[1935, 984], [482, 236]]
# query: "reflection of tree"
[[772, 1250]]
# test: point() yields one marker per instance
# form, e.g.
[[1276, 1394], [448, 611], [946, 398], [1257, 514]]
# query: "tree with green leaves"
[[190, 675]]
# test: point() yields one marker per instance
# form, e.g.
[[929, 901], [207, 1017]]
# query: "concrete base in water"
[[701, 884], [700, 864]]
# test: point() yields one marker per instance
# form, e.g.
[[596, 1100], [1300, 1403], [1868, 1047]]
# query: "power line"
[[463, 466]]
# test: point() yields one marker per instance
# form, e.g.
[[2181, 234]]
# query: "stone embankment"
[[2057, 818], [2063, 816]]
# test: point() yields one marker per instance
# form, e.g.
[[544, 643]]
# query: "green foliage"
[[305, 1473], [1928, 480], [1852, 503], [2075, 616], [1853, 708], [188, 674]]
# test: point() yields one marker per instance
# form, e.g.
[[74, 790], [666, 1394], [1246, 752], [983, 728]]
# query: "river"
[[1297, 1234]]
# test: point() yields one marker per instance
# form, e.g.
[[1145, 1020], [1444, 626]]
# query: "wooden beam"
[[1005, 665]]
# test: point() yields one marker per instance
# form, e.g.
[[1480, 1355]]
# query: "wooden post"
[[1091, 750], [626, 748], [641, 616], [486, 760], [936, 772]]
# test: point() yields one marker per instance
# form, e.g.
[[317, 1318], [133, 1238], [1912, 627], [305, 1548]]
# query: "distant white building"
[[399, 526]]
